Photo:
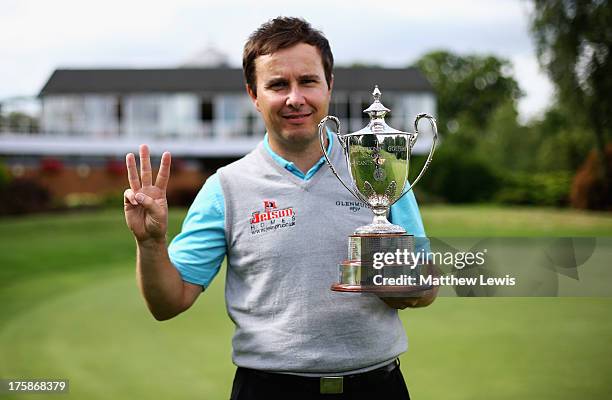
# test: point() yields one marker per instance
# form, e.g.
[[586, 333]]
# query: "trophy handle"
[[413, 140], [331, 166]]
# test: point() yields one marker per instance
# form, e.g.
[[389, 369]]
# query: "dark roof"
[[216, 79]]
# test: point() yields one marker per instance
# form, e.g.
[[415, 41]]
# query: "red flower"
[[116, 167], [51, 165]]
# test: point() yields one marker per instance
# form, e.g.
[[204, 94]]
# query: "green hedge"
[[458, 177], [23, 196], [545, 189], [461, 177], [5, 176]]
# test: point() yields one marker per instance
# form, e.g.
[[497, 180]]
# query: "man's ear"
[[253, 96]]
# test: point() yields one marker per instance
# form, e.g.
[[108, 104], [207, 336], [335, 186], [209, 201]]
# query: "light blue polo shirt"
[[198, 251]]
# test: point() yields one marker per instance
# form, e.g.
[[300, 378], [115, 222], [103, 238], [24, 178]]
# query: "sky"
[[38, 36]]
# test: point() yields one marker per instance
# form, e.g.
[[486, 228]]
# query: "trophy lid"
[[377, 112], [376, 109]]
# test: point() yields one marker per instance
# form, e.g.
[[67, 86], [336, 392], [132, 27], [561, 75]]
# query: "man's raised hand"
[[145, 204]]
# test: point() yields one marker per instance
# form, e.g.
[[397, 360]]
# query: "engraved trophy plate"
[[378, 159]]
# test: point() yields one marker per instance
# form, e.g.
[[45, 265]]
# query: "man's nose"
[[295, 97]]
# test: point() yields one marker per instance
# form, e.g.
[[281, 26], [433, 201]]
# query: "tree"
[[20, 122], [508, 145], [574, 44], [469, 88], [564, 143]]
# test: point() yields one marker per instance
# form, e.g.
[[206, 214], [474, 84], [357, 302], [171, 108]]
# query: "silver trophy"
[[378, 160]]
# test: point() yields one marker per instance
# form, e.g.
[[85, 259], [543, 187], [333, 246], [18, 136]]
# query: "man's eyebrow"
[[273, 81], [310, 77]]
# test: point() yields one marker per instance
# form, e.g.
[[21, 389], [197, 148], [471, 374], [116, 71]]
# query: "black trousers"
[[384, 383]]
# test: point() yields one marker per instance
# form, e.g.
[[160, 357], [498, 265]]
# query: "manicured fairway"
[[70, 308]]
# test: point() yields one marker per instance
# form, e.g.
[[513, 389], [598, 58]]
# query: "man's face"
[[292, 93]]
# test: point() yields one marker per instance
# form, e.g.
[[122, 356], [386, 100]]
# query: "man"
[[270, 214]]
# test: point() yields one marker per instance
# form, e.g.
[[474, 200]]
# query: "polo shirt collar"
[[290, 166]]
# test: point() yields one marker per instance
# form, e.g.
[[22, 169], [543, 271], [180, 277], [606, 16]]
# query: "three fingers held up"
[[145, 179]]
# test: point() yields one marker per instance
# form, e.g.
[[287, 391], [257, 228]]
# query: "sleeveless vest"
[[285, 237]]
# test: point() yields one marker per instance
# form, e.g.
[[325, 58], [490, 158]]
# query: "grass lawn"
[[70, 308]]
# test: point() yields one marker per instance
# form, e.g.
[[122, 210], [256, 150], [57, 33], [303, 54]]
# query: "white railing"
[[63, 145], [19, 128]]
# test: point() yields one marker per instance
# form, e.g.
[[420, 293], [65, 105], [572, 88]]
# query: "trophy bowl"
[[378, 166]]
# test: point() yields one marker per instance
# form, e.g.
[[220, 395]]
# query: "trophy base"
[[393, 290], [386, 229], [362, 272], [363, 245]]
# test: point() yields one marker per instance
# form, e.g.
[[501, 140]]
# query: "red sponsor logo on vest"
[[271, 212]]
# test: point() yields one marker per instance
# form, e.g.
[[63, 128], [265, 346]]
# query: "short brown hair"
[[281, 33]]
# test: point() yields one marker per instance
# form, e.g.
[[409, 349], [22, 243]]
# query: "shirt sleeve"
[[405, 213], [198, 251]]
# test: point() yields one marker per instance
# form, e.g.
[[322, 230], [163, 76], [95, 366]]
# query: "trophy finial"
[[376, 109], [376, 93]]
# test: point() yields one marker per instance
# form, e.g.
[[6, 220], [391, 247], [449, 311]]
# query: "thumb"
[[149, 204]]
